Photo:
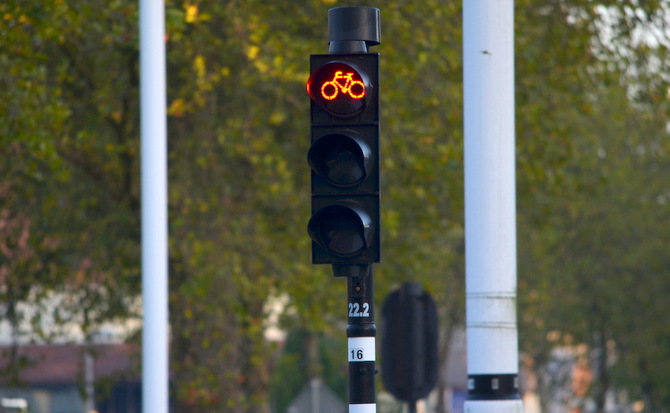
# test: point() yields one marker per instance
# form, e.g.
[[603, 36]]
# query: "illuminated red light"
[[339, 88], [344, 83]]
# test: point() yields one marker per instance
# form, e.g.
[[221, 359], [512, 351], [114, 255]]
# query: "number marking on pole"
[[361, 349], [356, 311], [356, 354]]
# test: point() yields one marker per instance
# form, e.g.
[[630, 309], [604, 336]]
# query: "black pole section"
[[361, 335]]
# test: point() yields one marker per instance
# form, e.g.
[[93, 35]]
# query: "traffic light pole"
[[155, 331], [352, 30], [361, 336], [490, 207]]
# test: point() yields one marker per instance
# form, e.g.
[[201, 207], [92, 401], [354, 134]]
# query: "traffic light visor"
[[339, 88]]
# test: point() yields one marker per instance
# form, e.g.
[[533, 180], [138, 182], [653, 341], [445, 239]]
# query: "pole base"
[[493, 406]]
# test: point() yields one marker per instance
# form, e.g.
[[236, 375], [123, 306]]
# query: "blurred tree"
[[591, 234], [68, 133], [293, 370], [592, 150]]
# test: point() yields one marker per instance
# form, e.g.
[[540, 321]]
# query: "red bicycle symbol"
[[354, 88]]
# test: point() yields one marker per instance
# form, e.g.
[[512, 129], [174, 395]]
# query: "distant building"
[[54, 377]]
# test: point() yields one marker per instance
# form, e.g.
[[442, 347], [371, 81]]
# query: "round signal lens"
[[340, 159], [338, 88]]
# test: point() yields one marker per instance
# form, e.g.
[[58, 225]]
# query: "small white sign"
[[363, 408], [361, 349]]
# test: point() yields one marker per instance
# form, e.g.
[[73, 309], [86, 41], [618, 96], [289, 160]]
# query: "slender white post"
[[153, 108], [490, 206], [89, 382]]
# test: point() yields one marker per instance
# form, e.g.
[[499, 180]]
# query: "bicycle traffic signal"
[[344, 158]]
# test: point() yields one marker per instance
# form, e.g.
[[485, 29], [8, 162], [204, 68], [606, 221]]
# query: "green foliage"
[[592, 200], [291, 373], [68, 137]]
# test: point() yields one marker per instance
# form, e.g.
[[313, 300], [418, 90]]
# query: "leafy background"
[[592, 167]]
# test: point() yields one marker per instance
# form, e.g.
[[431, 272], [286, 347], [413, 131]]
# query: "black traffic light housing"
[[344, 158]]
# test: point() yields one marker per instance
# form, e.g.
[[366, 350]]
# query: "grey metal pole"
[[490, 206], [89, 382], [153, 110]]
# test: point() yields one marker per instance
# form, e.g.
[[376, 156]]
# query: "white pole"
[[153, 104], [490, 206], [89, 382]]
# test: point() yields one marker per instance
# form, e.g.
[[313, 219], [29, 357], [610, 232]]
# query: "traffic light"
[[344, 158]]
